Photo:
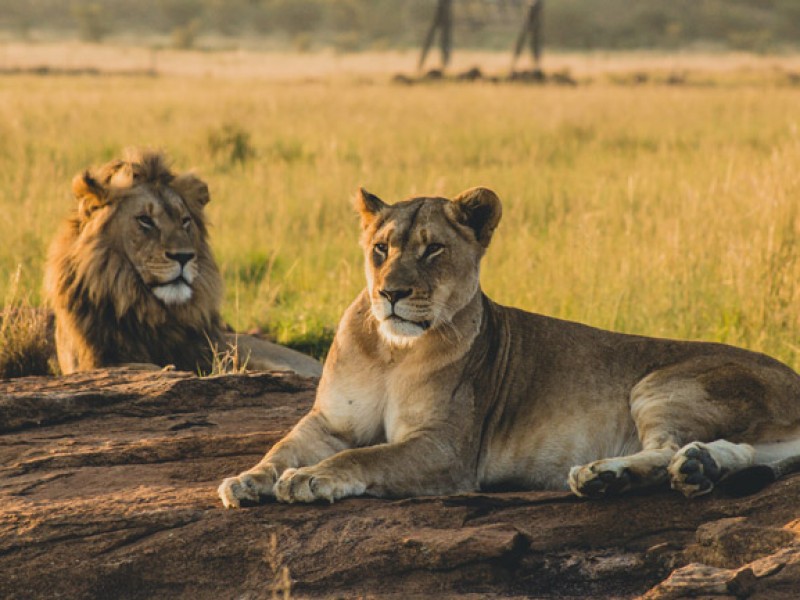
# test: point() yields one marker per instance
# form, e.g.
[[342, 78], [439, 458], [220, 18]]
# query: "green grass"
[[666, 211]]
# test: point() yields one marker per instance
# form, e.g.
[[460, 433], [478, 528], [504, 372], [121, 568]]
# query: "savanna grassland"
[[661, 210]]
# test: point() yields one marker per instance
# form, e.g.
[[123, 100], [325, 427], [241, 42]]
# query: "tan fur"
[[432, 388], [131, 276]]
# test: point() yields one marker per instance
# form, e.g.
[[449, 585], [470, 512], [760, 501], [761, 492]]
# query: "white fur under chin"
[[401, 334], [176, 293]]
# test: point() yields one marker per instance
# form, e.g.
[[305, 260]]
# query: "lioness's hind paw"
[[598, 479], [693, 471]]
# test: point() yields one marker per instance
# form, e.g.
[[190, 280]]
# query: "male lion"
[[132, 279], [432, 388]]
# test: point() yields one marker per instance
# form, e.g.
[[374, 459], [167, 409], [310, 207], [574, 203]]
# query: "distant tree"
[[443, 24], [184, 36], [296, 16], [178, 13], [92, 19], [754, 25], [181, 19], [227, 16], [17, 17]]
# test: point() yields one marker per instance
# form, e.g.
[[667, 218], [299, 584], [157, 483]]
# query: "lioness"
[[432, 388], [132, 279]]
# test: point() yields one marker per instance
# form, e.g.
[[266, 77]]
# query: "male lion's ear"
[[479, 209], [191, 188], [89, 193], [119, 175], [368, 206]]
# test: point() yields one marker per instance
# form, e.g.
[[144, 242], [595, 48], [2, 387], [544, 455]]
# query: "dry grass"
[[227, 361], [280, 585], [659, 210], [26, 337]]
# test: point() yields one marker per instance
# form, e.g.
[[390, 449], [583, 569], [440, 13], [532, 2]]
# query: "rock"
[[729, 543], [108, 490], [701, 580]]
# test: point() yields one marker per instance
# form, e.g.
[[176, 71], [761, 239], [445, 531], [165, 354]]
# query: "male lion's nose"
[[181, 257], [394, 295]]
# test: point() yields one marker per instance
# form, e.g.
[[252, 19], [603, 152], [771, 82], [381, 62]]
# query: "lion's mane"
[[105, 312]]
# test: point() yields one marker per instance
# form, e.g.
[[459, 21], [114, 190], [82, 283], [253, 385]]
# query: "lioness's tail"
[[757, 476]]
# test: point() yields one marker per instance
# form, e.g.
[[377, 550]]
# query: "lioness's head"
[[143, 214], [423, 258]]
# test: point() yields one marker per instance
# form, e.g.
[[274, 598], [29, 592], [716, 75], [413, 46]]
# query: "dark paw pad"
[[694, 472], [700, 467], [606, 483]]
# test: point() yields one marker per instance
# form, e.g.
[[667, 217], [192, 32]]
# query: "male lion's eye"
[[146, 222], [187, 221], [433, 250]]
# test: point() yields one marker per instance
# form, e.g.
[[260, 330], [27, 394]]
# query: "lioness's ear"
[[368, 206], [479, 209], [191, 188], [89, 193]]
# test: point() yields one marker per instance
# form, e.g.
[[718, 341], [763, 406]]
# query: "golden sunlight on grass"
[[668, 211]]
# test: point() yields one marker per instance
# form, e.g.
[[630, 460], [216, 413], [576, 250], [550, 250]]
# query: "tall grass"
[[657, 210], [26, 337]]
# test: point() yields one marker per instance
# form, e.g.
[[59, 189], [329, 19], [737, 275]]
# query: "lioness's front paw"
[[306, 485], [246, 488], [600, 478], [693, 470]]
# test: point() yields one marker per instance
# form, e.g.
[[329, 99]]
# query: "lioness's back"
[[537, 369]]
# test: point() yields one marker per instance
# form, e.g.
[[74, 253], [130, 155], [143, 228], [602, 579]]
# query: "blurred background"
[[357, 25]]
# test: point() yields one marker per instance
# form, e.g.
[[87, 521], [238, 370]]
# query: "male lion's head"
[[423, 258], [131, 275], [150, 218]]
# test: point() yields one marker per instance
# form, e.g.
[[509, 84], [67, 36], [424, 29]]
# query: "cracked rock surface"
[[108, 490]]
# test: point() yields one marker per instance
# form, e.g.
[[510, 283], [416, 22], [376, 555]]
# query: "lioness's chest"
[[354, 407], [380, 405]]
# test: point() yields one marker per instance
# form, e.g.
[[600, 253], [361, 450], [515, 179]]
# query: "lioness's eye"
[[146, 222], [187, 221], [433, 250], [382, 249]]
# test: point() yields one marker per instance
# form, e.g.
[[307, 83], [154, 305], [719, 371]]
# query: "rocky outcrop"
[[107, 490]]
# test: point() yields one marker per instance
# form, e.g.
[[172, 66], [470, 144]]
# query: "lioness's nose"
[[181, 257], [394, 295]]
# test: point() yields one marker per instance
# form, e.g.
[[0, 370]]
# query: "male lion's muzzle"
[[174, 284]]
